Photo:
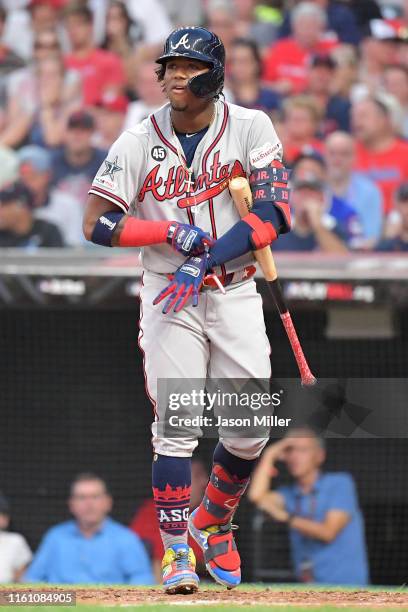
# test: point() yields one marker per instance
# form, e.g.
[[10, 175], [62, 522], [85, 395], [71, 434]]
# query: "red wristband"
[[139, 233]]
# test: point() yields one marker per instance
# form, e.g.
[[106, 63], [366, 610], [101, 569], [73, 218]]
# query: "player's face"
[[303, 456], [178, 73], [89, 502]]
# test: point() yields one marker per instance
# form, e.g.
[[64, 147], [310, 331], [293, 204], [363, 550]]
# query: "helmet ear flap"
[[208, 84]]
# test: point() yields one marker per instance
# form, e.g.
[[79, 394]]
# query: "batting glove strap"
[[187, 239]]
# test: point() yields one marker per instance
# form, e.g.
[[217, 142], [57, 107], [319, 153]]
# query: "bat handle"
[[306, 375], [307, 378]]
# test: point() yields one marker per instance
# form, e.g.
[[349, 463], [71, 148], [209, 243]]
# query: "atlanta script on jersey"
[[143, 175]]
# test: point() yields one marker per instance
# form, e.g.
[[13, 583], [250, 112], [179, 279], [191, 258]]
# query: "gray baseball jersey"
[[143, 174]]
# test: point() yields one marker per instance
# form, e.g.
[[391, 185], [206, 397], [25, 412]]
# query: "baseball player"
[[164, 187]]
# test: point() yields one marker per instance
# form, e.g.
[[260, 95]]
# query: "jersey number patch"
[[158, 153]]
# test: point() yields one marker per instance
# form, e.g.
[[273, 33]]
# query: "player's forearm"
[[239, 240], [106, 225], [113, 228], [132, 232]]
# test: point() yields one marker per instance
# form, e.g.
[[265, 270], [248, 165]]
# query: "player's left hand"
[[188, 239], [187, 282]]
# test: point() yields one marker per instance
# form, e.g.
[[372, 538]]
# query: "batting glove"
[[187, 281], [188, 239]]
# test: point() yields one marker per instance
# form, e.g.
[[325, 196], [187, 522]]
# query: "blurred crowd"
[[332, 75], [91, 547], [320, 510]]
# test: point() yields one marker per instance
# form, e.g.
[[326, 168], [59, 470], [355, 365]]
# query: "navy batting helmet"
[[201, 44]]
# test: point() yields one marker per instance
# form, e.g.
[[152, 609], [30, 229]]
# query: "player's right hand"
[[188, 239]]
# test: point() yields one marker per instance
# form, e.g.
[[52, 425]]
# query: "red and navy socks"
[[171, 480], [228, 481]]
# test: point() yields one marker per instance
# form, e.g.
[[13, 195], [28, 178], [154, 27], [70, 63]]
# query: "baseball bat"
[[242, 196]]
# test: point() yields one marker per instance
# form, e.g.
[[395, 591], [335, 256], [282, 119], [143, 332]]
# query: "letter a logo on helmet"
[[200, 44], [183, 41]]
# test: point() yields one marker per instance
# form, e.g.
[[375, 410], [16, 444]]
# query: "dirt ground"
[[242, 596], [267, 596]]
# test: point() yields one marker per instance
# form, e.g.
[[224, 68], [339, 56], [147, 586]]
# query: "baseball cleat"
[[178, 568], [220, 552]]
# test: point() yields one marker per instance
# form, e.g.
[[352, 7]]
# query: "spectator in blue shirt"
[[335, 109], [353, 187], [92, 548], [340, 20], [322, 512], [320, 221], [397, 242], [75, 163]]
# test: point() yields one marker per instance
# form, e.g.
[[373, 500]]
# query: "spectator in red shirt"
[[101, 70], [119, 33], [146, 526], [380, 153], [287, 61], [301, 119]]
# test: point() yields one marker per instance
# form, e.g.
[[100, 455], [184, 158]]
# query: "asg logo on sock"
[[173, 516]]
